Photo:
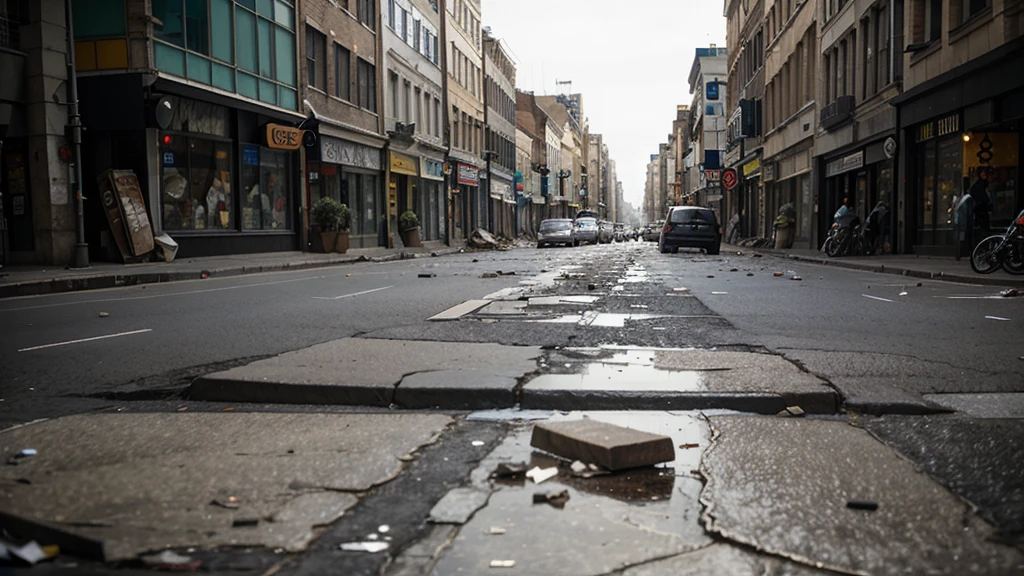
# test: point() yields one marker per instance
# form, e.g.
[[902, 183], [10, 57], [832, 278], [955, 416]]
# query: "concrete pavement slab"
[[459, 310], [592, 442], [456, 390], [722, 559], [142, 482], [356, 371], [458, 505], [782, 485], [994, 405]]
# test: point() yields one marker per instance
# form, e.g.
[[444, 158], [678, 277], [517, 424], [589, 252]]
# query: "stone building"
[[707, 123], [500, 121], [566, 110], [545, 156]]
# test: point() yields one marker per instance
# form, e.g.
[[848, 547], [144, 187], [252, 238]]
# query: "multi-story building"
[[463, 54], [961, 114], [680, 140], [566, 110], [500, 122], [530, 202], [413, 112], [707, 124], [340, 77], [744, 104], [595, 167], [855, 118], [790, 114], [210, 176], [651, 207], [545, 157]]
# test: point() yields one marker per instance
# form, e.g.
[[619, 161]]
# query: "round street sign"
[[729, 178]]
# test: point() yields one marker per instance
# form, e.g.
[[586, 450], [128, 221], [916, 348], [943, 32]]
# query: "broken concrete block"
[[458, 506], [613, 447]]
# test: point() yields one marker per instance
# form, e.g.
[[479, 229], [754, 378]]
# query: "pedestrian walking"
[[982, 204]]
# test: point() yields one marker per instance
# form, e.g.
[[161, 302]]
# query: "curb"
[[62, 285], [1001, 281], [756, 402]]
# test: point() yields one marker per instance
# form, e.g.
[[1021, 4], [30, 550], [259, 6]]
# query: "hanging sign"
[[283, 137], [469, 175], [729, 179]]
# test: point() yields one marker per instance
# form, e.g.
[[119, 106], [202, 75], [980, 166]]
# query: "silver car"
[[555, 231], [585, 230]]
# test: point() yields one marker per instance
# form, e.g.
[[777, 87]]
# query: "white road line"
[[351, 295], [972, 297], [190, 292], [86, 340], [876, 298], [997, 318]]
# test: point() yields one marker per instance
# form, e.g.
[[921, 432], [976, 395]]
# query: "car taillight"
[[667, 228]]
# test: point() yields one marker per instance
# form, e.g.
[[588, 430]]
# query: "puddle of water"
[[612, 320], [581, 299], [630, 377], [566, 319]]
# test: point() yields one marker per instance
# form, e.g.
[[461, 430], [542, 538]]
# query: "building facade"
[[463, 53], [961, 114], [790, 114], [707, 123], [341, 79], [413, 113], [596, 161], [500, 122]]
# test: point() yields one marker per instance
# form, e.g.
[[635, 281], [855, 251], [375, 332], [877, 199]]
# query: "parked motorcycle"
[[845, 237], [1001, 251]]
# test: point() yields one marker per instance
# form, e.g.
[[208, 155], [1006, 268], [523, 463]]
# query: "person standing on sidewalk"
[[982, 204]]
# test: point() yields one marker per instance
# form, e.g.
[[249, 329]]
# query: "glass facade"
[[242, 46]]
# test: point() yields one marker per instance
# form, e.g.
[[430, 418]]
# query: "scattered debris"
[[711, 276], [796, 278], [483, 239], [578, 467], [231, 502], [688, 446], [734, 269], [719, 293], [613, 447], [488, 275], [104, 314], [794, 411], [170, 561], [777, 274], [919, 284], [512, 273], [384, 529], [495, 531], [348, 275], [478, 443], [475, 260], [503, 563], [681, 290], [16, 459], [539, 475], [458, 506], [427, 275], [555, 499], [371, 547], [1011, 293], [229, 409], [204, 275], [591, 286], [862, 504], [245, 522], [508, 470], [750, 273]]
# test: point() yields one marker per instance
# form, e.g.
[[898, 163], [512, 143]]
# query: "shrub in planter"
[[327, 212], [344, 225], [409, 228]]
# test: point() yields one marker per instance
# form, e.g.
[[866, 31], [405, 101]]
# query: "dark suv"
[[690, 227]]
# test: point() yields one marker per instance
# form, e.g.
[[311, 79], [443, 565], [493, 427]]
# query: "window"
[[418, 119], [391, 14], [416, 35], [342, 72], [393, 93], [171, 14], [882, 47], [197, 26], [407, 102], [367, 85], [366, 13], [316, 58], [437, 117], [196, 183], [15, 13], [932, 20]]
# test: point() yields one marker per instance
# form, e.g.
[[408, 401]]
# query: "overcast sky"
[[630, 60]]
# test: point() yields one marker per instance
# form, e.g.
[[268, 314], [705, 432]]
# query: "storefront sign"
[[169, 158], [769, 173], [729, 179], [889, 147], [845, 164], [402, 164], [283, 137], [250, 155], [712, 175], [433, 169], [948, 125], [752, 166], [337, 151], [469, 175], [500, 190]]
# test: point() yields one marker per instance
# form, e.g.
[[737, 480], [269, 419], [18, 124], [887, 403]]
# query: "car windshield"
[[586, 223], [555, 225], [686, 216]]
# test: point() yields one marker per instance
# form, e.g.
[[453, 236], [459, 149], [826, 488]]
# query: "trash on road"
[[578, 467], [508, 470], [610, 446], [16, 459], [688, 446], [555, 499], [231, 502], [245, 522], [591, 286], [488, 275], [104, 314], [719, 293], [681, 290], [750, 273], [370, 547], [478, 443], [483, 239], [503, 563], [777, 274], [795, 278], [30, 553], [383, 528], [792, 411], [170, 561], [1011, 293], [862, 504], [495, 531], [427, 275], [539, 475]]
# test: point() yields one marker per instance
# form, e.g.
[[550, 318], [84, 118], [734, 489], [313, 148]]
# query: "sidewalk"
[[935, 268], [34, 280]]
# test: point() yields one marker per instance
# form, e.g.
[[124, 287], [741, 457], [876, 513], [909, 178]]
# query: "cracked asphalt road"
[[880, 341]]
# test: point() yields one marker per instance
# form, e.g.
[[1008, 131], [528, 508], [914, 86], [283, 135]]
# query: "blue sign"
[[168, 158], [251, 155]]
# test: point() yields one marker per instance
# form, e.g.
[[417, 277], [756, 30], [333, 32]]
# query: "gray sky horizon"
[[631, 66]]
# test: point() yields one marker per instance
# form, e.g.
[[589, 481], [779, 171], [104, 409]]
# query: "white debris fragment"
[[495, 531], [538, 474], [503, 563], [384, 529], [478, 443], [578, 467], [371, 547]]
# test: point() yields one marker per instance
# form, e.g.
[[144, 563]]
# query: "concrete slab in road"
[[143, 482], [781, 485], [360, 371]]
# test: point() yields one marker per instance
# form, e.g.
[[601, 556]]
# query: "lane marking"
[[80, 340], [973, 297], [351, 295], [997, 318], [187, 293], [876, 298]]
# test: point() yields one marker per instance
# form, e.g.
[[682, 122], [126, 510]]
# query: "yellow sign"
[[283, 137], [402, 164], [751, 167]]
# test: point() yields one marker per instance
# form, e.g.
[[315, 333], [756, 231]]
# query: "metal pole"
[[80, 257]]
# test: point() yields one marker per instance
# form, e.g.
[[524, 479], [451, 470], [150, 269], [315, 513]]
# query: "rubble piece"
[[509, 470], [591, 286], [578, 467], [750, 273], [608, 445], [870, 505], [477, 443], [538, 474], [734, 269], [483, 239], [384, 529], [681, 290], [791, 412], [171, 561], [719, 293], [104, 314], [230, 502], [503, 563], [488, 275], [427, 275], [555, 499], [796, 278], [458, 506], [688, 446], [777, 274], [1011, 293], [370, 547], [512, 273], [495, 531], [245, 522], [711, 275]]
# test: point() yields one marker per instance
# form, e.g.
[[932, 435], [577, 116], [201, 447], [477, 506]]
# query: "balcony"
[[837, 112]]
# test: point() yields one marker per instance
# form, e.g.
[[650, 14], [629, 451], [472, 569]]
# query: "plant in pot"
[[326, 214], [344, 226], [409, 228], [785, 226]]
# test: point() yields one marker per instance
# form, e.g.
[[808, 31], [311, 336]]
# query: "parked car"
[[690, 227], [555, 231], [620, 232], [652, 232], [584, 230], [605, 232]]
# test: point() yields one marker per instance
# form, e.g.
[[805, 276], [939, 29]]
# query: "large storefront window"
[[196, 182], [998, 153], [939, 170]]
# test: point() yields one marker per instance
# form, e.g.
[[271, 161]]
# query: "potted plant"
[[409, 228], [326, 214], [785, 226], [344, 226]]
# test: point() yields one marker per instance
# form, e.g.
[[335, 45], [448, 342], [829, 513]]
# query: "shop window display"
[[196, 184], [998, 152]]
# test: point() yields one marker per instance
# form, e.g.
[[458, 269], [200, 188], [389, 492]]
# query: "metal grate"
[[10, 22]]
